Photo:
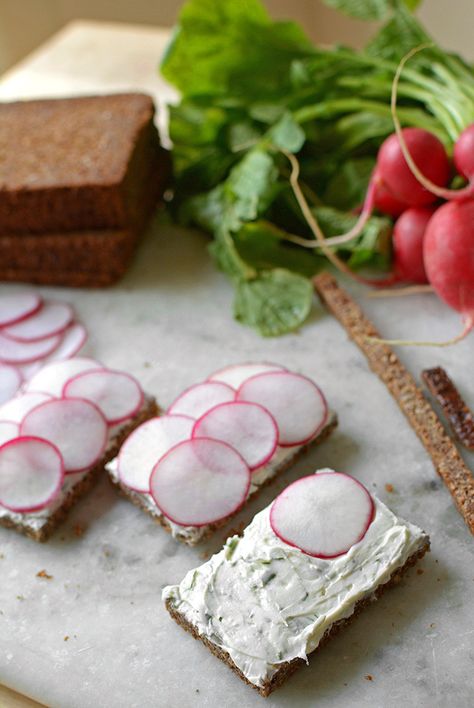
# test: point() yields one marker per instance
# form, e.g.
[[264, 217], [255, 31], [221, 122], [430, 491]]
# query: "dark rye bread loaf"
[[79, 179]]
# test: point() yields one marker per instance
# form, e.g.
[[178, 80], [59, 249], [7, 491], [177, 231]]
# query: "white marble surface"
[[169, 323]]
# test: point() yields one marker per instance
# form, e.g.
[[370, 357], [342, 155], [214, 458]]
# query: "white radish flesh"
[[13, 352], [323, 515], [234, 376], [8, 431], [199, 482], [295, 402], [16, 409], [118, 395], [76, 427], [16, 306], [199, 399], [53, 376], [147, 445], [50, 319], [31, 474], [247, 427], [10, 382], [73, 339]]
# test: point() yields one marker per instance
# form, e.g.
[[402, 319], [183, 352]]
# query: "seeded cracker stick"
[[454, 408], [421, 416]]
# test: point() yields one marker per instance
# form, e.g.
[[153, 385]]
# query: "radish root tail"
[[400, 292], [468, 327]]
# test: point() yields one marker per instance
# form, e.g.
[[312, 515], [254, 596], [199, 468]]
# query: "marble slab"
[[95, 634]]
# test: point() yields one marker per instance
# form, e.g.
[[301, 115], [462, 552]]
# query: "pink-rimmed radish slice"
[[199, 482], [31, 474], [8, 431], [10, 381], [296, 403], [75, 426], [54, 376], [13, 352], [50, 319], [236, 374], [200, 398], [73, 339], [16, 306], [29, 370], [19, 406], [323, 515], [118, 395], [247, 427], [147, 445]]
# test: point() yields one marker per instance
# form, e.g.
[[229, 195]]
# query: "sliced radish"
[[247, 427], [50, 319], [13, 352], [16, 306], [200, 398], [73, 339], [10, 382], [31, 474], [76, 427], [16, 409], [53, 376], [235, 375], [147, 445], [118, 395], [323, 515], [200, 481], [8, 431], [295, 402], [29, 370]]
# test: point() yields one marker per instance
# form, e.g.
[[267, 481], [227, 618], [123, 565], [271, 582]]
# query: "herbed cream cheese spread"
[[265, 602]]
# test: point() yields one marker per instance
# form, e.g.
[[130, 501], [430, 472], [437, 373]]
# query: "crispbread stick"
[[421, 416], [452, 404]]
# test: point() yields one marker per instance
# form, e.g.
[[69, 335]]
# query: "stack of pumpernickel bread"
[[79, 179]]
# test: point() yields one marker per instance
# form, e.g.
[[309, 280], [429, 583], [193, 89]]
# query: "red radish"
[[10, 382], [14, 307], [464, 153], [428, 154], [29, 370], [449, 257], [199, 482], [8, 431], [200, 398], [53, 376], [408, 235], [51, 318], [16, 409], [323, 515], [31, 474], [117, 394], [296, 403], [235, 375], [247, 427], [73, 339], [147, 445], [13, 352], [385, 202], [76, 427]]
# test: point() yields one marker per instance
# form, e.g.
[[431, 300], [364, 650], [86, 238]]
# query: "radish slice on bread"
[[118, 395], [247, 427], [147, 445], [200, 398], [323, 515], [16, 409], [199, 482], [13, 352], [10, 382], [75, 426], [235, 375], [51, 318], [296, 403], [53, 376], [8, 431], [31, 474], [14, 307]]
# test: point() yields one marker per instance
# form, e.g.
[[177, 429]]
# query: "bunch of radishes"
[[433, 241]]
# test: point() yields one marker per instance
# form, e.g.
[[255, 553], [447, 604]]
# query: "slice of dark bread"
[[52, 521]]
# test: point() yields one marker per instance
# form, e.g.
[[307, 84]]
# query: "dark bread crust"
[[289, 667], [137, 498], [419, 412], [454, 408], [79, 490]]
